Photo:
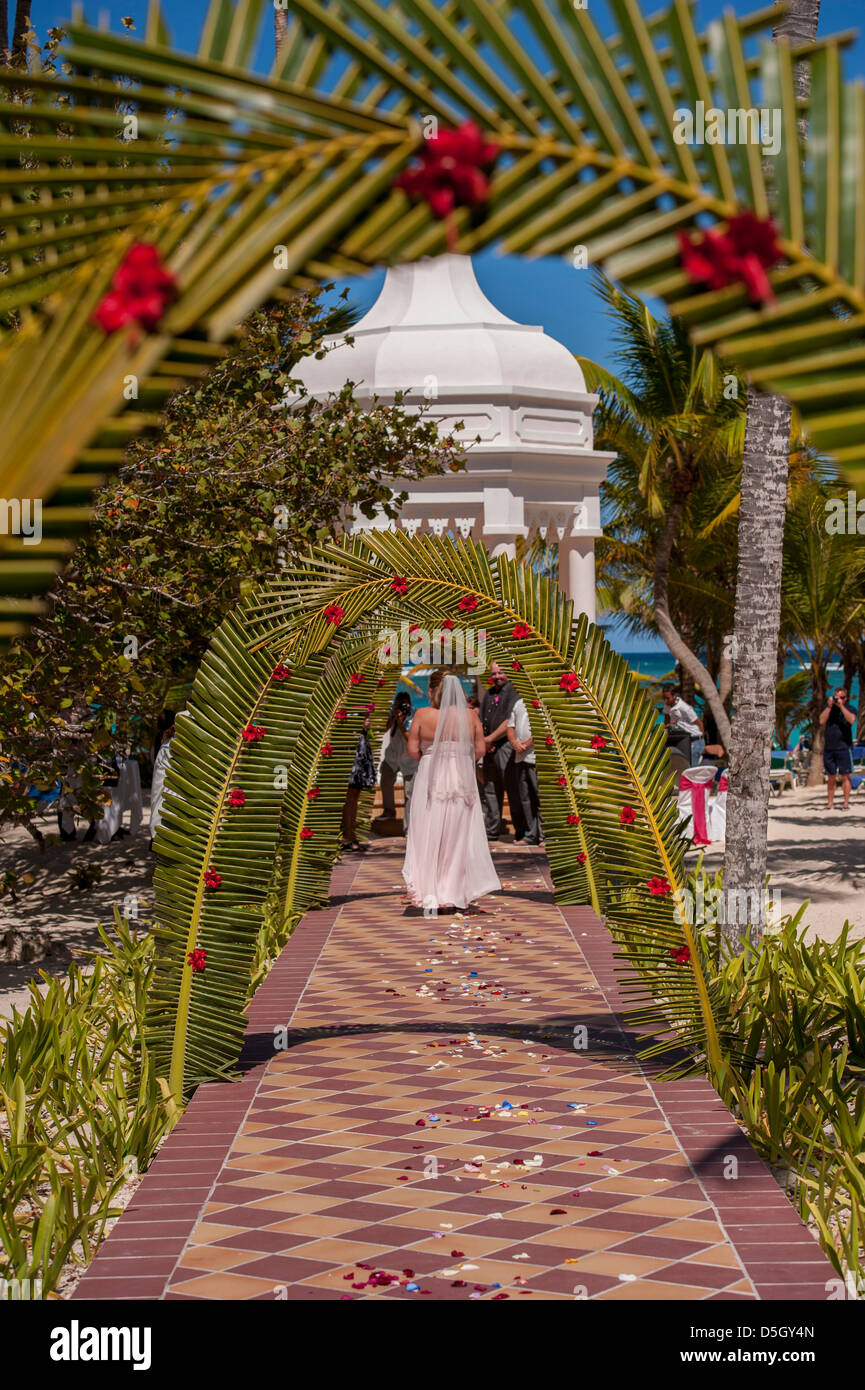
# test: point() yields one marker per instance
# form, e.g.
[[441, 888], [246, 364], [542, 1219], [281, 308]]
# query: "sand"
[[813, 854]]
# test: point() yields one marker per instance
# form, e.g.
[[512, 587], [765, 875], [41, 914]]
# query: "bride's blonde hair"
[[436, 686]]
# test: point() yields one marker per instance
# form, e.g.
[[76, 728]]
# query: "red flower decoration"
[[680, 954], [381, 682], [141, 290], [569, 681], [522, 630], [598, 743], [742, 254], [355, 678], [197, 959], [563, 781], [581, 858], [515, 666], [413, 627], [658, 887], [450, 170], [368, 709], [306, 834], [550, 741], [536, 703], [573, 818], [628, 815], [280, 673], [312, 793], [237, 797], [468, 603], [399, 585], [447, 625], [341, 714], [334, 614], [326, 750], [253, 733], [211, 878]]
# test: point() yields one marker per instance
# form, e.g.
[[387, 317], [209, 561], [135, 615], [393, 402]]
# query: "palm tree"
[[674, 423], [758, 590]]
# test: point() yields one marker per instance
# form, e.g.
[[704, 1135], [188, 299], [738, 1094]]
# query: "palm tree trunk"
[[22, 24], [280, 28], [758, 606]]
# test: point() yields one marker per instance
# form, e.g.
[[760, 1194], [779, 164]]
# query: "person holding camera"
[[838, 719]]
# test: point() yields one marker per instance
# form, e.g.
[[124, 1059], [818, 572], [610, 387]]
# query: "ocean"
[[652, 667]]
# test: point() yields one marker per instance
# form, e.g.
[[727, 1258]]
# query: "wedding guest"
[[396, 759], [838, 719], [362, 778], [499, 768], [520, 739]]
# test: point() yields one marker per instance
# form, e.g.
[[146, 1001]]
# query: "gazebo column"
[[504, 521], [577, 573]]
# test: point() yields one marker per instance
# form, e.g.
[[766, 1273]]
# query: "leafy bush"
[[80, 1109]]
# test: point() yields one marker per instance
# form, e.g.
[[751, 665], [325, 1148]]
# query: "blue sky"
[[550, 291]]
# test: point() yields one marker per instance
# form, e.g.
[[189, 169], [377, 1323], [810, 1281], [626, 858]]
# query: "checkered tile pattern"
[[453, 1113]]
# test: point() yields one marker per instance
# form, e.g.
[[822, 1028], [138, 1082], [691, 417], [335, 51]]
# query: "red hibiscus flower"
[[141, 290], [326, 750], [680, 954], [569, 681], [549, 741], [522, 630], [197, 959], [399, 585], [563, 781], [515, 666], [447, 625], [742, 254], [413, 627], [355, 678], [341, 714], [468, 603], [581, 858], [536, 703], [449, 171], [598, 743], [211, 878], [306, 834], [628, 815], [237, 797], [573, 818], [658, 887], [280, 673], [368, 709], [334, 614], [253, 733], [312, 794], [381, 682]]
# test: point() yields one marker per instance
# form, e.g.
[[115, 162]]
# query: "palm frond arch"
[[228, 164], [279, 692]]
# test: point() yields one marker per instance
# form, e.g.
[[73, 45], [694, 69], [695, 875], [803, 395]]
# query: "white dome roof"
[[432, 323]]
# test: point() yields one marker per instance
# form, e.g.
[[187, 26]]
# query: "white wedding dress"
[[447, 857]]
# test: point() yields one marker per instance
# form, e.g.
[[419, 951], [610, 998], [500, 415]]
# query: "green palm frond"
[[599, 751], [227, 165]]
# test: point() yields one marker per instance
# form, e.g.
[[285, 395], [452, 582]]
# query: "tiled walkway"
[[427, 1127]]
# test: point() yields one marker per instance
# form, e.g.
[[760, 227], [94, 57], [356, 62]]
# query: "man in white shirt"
[[520, 739], [680, 718]]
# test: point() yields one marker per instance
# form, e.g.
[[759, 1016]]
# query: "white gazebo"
[[432, 332]]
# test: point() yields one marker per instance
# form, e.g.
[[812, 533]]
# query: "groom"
[[500, 774]]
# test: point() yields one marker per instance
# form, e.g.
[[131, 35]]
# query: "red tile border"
[[201, 1171]]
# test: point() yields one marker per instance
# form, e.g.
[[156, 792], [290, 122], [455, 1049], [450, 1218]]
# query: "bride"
[[447, 857]]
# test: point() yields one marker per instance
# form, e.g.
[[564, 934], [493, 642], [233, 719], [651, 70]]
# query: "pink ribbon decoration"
[[722, 785], [699, 794]]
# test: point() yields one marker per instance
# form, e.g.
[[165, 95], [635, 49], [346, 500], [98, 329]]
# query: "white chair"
[[718, 811], [693, 801]]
